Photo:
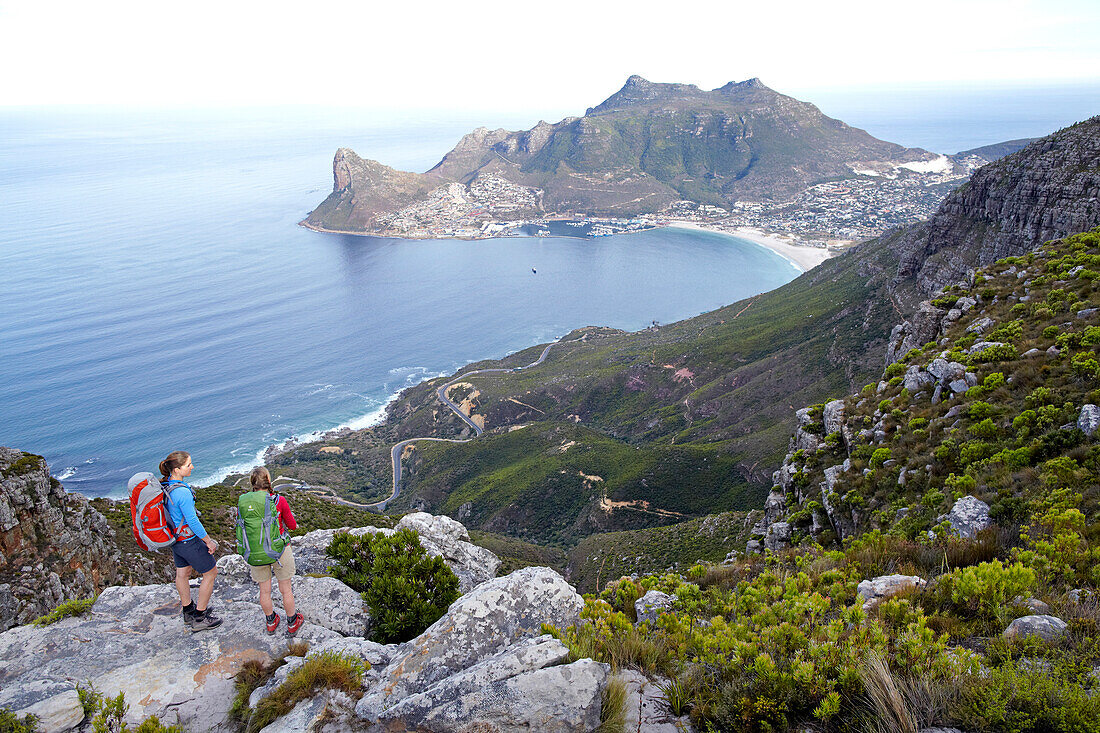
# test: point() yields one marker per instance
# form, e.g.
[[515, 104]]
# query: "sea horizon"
[[96, 202]]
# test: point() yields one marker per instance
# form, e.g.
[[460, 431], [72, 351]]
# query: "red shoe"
[[294, 623], [272, 623]]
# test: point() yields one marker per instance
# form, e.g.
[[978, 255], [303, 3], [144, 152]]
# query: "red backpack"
[[152, 524]]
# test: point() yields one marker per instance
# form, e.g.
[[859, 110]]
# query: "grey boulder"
[[1047, 628], [1089, 419], [968, 516], [649, 607], [492, 617], [877, 590]]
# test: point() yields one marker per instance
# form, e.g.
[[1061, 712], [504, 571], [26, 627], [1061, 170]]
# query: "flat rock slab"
[[133, 641], [647, 707]]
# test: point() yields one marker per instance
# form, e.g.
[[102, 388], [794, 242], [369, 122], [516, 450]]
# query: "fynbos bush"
[[406, 590]]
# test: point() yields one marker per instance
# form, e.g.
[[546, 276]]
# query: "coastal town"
[[834, 213]]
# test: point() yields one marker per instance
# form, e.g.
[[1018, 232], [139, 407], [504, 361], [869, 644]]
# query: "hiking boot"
[[189, 618], [205, 620], [272, 623], [293, 623]]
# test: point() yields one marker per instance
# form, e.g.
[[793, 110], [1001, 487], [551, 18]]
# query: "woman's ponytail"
[[174, 460], [260, 479]]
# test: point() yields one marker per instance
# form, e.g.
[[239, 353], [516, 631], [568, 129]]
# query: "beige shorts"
[[283, 569]]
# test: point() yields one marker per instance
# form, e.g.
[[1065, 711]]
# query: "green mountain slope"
[[1002, 407], [717, 390]]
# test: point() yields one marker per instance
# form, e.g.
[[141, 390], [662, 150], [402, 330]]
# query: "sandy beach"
[[801, 256]]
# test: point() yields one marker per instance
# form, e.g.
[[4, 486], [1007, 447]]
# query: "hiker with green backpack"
[[263, 518]]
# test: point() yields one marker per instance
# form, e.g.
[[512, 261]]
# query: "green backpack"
[[258, 536]]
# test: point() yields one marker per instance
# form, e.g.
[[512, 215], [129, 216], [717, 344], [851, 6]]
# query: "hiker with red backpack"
[[193, 547], [263, 518]]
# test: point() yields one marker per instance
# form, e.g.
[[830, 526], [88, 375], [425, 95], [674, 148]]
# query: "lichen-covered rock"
[[54, 546], [778, 536], [62, 712], [493, 616], [877, 590], [649, 607], [511, 689], [833, 416], [446, 538], [1047, 628], [133, 641], [968, 516], [1089, 419]]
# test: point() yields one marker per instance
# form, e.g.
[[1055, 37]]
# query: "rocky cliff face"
[[1047, 190], [53, 546], [363, 188]]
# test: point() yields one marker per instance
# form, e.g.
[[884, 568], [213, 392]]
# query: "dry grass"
[[613, 707], [892, 712]]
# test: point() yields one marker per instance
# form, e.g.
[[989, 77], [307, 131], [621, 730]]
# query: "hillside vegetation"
[[992, 632]]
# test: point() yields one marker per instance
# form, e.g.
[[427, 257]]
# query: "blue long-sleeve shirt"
[[181, 508]]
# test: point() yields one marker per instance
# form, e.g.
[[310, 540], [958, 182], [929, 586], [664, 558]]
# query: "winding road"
[[441, 393], [395, 452]]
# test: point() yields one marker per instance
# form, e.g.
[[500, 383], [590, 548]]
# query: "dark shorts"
[[193, 552]]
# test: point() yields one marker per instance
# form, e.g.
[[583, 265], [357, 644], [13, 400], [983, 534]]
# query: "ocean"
[[157, 293]]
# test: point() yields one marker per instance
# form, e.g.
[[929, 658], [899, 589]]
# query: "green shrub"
[[1085, 366], [1010, 332], [1050, 332], [894, 370], [880, 456], [11, 723], [406, 590], [1015, 698], [68, 608], [984, 429], [986, 590], [1003, 352], [980, 410]]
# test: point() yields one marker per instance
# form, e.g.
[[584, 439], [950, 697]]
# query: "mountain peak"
[[639, 90], [740, 86]]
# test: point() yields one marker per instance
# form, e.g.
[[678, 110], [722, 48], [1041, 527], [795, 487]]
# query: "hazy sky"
[[496, 55]]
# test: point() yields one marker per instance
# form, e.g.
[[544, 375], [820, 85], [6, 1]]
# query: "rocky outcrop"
[[54, 546], [440, 536], [133, 641], [1048, 190], [968, 517], [484, 663], [489, 619]]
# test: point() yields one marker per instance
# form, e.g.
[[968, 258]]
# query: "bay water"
[[156, 292]]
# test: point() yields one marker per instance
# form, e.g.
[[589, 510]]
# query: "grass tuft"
[[68, 608], [613, 707], [327, 670]]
